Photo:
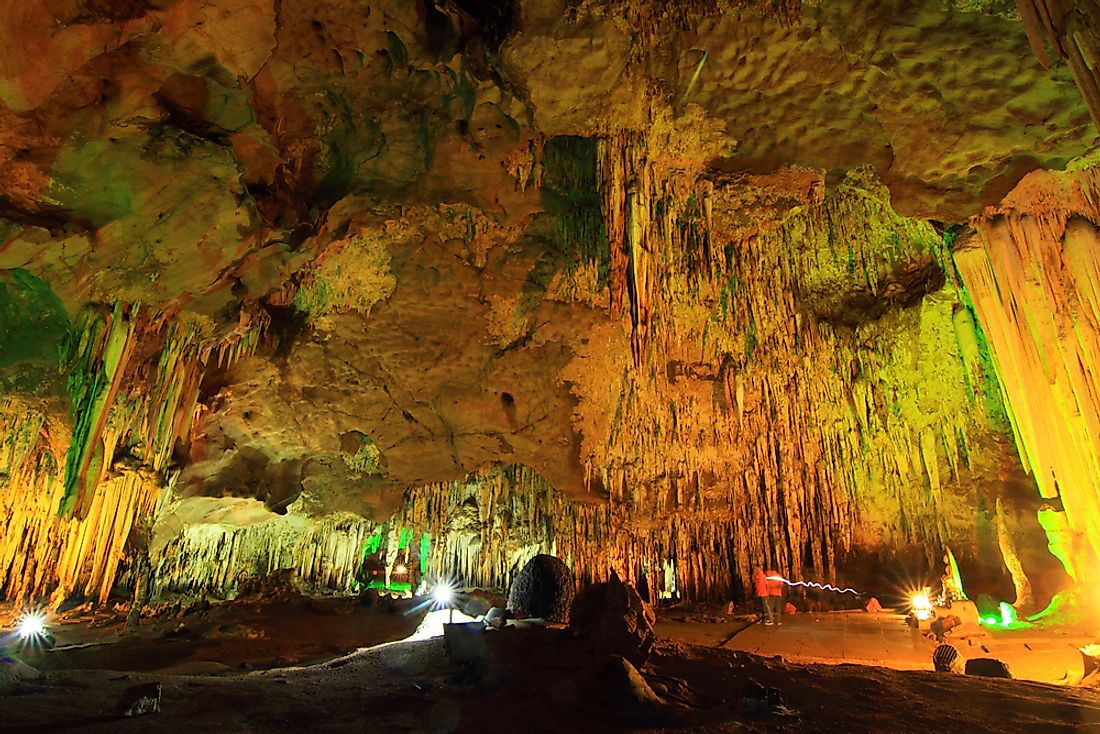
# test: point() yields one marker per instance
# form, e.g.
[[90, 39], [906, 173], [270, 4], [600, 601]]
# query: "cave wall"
[[805, 383], [685, 262]]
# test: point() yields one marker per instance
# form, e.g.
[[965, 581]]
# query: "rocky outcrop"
[[612, 619]]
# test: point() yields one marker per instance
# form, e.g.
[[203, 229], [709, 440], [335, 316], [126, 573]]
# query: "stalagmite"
[[1012, 559]]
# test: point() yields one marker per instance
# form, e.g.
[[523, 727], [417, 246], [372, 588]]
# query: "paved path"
[[885, 640]]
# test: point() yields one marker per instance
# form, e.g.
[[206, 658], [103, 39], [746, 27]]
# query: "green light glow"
[[373, 543], [425, 549], [380, 585]]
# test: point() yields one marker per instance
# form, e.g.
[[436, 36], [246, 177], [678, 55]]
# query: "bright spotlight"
[[443, 595], [400, 569], [31, 626], [922, 607]]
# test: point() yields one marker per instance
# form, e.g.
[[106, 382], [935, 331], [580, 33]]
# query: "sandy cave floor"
[[534, 682]]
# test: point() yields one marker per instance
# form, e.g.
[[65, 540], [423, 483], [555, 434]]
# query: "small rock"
[[757, 698], [942, 625], [988, 668], [14, 673], [140, 700], [496, 617]]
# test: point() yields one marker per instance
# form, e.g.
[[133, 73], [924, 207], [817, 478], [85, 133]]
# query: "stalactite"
[[1034, 276], [646, 215], [818, 336], [213, 555], [72, 497], [42, 550], [1072, 29], [484, 528]]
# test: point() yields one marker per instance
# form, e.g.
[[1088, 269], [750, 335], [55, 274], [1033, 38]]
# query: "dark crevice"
[[56, 221], [116, 9], [287, 326], [495, 19], [904, 287], [190, 121]]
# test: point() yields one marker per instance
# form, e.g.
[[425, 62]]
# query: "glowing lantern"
[[921, 606]]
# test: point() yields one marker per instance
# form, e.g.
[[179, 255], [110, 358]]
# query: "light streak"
[[811, 584]]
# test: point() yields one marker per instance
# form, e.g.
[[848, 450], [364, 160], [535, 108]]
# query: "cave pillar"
[[1032, 270]]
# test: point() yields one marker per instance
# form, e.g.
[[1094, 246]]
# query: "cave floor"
[[279, 664], [1044, 655], [535, 683], [245, 634]]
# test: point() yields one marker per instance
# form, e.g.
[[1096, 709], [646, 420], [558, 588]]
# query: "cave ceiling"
[[390, 236]]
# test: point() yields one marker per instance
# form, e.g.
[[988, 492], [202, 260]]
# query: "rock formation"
[[661, 289], [544, 589]]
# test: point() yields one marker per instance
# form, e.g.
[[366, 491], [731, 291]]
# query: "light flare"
[[31, 629], [922, 607], [812, 585], [443, 594]]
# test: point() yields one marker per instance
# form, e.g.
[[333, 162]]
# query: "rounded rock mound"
[[544, 589]]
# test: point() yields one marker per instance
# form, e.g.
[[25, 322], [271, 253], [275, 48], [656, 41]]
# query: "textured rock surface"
[[272, 272], [612, 618], [1033, 270], [543, 589], [615, 683]]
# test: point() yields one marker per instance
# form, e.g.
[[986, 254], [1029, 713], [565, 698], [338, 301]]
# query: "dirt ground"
[[535, 680], [1044, 655], [250, 633]]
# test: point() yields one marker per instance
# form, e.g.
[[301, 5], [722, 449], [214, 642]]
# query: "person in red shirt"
[[775, 594], [760, 583]]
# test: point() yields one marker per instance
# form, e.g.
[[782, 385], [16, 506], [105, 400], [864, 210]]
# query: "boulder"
[[614, 683], [988, 668], [544, 588], [13, 674], [615, 620]]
